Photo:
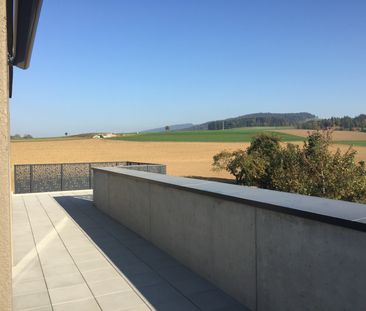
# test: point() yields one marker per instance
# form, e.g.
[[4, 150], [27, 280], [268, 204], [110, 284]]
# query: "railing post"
[[62, 175], [15, 179], [31, 178], [90, 176]]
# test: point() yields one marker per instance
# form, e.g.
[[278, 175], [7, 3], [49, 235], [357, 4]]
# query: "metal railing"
[[29, 178]]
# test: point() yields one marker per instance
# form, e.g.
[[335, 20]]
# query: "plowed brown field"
[[182, 159], [337, 135]]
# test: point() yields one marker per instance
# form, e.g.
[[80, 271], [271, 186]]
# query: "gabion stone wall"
[[30, 178]]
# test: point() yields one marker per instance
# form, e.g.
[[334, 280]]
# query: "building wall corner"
[[5, 213]]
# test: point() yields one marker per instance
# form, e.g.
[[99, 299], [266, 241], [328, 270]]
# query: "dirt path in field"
[[337, 135], [182, 159]]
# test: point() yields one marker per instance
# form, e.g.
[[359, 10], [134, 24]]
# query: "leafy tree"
[[311, 170], [246, 168], [167, 128], [266, 147], [288, 174], [16, 136]]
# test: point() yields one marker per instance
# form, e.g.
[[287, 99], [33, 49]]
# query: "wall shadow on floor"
[[160, 279]]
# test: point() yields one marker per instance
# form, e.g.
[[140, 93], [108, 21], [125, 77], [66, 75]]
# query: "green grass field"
[[360, 143], [232, 135]]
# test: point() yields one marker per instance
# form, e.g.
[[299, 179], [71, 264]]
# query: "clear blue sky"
[[127, 65]]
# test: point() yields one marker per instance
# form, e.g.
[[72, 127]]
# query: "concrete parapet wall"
[[269, 250]]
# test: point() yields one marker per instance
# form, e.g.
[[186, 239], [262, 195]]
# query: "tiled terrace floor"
[[70, 256]]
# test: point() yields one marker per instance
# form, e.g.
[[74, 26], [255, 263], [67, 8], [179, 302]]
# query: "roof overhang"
[[22, 21]]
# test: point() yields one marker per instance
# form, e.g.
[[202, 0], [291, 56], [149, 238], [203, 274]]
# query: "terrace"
[[147, 241], [68, 255]]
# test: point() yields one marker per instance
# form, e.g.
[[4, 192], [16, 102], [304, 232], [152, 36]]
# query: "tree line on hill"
[[310, 170], [25, 136], [261, 120], [344, 123], [300, 120], [256, 120]]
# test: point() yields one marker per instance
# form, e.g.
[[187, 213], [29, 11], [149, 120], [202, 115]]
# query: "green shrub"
[[311, 170]]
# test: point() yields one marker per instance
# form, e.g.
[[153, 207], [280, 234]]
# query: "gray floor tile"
[[147, 251], [53, 270], [56, 247], [87, 256], [109, 286], [89, 304], [63, 280], [45, 308], [70, 293], [139, 308], [53, 260], [53, 256], [159, 293], [28, 301], [145, 279], [86, 248], [193, 285], [94, 264], [119, 301], [100, 275], [237, 307], [133, 269], [212, 300], [124, 259], [27, 274], [29, 287], [181, 304], [176, 273], [163, 263]]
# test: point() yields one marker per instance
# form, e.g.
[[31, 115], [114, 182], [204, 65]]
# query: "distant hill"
[[344, 123], [257, 119], [175, 127]]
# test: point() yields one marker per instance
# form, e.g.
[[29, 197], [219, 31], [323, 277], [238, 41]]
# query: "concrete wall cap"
[[342, 213]]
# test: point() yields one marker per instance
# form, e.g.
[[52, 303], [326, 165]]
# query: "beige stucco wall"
[[5, 230]]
